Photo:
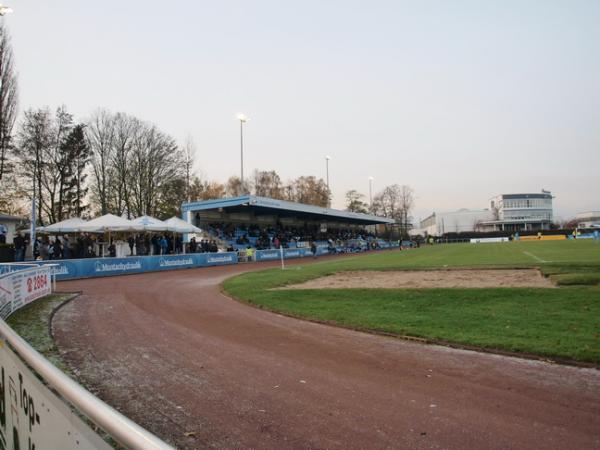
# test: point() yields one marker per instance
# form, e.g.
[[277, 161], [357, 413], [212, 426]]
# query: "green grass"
[[32, 323], [561, 323]]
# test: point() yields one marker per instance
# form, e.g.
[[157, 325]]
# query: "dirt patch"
[[455, 278]]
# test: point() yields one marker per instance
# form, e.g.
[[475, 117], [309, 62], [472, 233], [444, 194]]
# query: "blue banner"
[[69, 269]]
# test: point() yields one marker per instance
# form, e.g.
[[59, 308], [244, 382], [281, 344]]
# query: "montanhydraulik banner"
[[97, 267]]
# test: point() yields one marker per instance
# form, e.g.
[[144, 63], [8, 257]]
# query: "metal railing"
[[120, 428]]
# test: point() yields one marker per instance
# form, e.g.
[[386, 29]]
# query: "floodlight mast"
[[327, 158], [243, 119]]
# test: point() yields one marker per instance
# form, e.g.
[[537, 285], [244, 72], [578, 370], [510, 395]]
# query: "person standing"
[[131, 242], [19, 243], [313, 249], [164, 245], [66, 248]]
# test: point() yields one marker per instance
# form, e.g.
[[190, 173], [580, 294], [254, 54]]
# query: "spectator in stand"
[[155, 245], [57, 249], [164, 245], [193, 245], [20, 245], [112, 250], [45, 249], [66, 247], [131, 242]]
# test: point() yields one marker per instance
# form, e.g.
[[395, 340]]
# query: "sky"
[[461, 100]]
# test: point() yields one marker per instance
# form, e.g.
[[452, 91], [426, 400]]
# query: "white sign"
[[32, 416], [19, 288], [488, 240]]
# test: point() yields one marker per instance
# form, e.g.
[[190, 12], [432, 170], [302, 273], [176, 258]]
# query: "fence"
[[31, 414]]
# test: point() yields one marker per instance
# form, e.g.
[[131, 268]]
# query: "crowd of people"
[[280, 235]]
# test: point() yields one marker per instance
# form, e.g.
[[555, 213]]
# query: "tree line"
[[113, 162]]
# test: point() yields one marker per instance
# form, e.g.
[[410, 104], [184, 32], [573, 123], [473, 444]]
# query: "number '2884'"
[[37, 282]]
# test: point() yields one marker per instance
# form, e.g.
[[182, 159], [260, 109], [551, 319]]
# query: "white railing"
[[21, 387]]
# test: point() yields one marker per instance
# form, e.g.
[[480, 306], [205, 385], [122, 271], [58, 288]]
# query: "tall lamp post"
[[371, 192], [243, 119], [327, 158]]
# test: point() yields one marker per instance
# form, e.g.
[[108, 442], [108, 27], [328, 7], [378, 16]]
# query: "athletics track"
[[204, 371]]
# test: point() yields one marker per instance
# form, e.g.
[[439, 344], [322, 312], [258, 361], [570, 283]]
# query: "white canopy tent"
[[147, 223], [177, 225], [72, 225], [108, 222]]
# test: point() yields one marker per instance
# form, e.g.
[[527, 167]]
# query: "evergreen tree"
[[77, 154]]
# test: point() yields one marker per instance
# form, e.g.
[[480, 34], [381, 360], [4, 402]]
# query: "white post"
[[281, 253]]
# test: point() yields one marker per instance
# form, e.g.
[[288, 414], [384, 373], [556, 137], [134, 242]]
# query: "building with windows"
[[520, 212], [463, 220], [588, 219]]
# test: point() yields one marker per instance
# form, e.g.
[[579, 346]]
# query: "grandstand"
[[265, 223]]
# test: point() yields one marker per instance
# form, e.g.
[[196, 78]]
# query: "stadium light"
[[5, 9], [371, 192], [327, 158], [243, 119]]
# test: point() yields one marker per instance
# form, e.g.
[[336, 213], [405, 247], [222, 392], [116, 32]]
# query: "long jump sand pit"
[[448, 278]]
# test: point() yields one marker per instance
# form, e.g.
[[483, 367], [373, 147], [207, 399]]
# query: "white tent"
[[108, 222], [147, 223], [177, 225], [66, 226]]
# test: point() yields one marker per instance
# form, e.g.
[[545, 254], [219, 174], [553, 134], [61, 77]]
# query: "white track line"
[[536, 258]]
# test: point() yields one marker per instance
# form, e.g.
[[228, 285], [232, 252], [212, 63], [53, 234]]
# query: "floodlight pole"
[[371, 193], [327, 158], [243, 119]]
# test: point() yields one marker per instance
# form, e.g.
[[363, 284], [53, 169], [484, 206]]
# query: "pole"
[[242, 151], [33, 215], [327, 177], [371, 193], [281, 253]]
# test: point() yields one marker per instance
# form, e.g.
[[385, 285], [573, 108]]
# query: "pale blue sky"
[[462, 100]]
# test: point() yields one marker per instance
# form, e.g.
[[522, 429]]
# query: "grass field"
[[561, 323]]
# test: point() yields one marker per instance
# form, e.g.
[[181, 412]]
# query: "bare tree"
[[268, 184], [354, 202], [100, 132], [8, 99], [235, 188], [310, 190], [34, 138], [189, 156], [395, 202]]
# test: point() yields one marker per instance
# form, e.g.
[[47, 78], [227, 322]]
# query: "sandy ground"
[[454, 278], [204, 371]]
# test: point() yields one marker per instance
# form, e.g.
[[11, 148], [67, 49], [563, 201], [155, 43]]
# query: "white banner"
[[19, 288], [488, 240], [32, 416]]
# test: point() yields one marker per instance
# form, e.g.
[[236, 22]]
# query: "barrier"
[[489, 240], [31, 414], [70, 269]]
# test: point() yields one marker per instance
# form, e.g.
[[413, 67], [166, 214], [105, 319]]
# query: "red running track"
[[204, 371]]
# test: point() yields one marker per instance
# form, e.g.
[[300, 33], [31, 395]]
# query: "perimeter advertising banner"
[[22, 287], [99, 267], [32, 416]]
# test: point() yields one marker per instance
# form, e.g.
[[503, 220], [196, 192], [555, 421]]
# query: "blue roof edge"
[[266, 202]]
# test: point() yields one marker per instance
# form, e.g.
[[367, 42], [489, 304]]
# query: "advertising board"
[[32, 416]]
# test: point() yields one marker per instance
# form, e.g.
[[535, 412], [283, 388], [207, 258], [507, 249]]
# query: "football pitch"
[[560, 322]]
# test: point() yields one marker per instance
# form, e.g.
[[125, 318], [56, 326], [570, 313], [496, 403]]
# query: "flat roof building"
[[463, 220], [588, 219], [521, 212]]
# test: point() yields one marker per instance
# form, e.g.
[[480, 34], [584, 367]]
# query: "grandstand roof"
[[264, 205]]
